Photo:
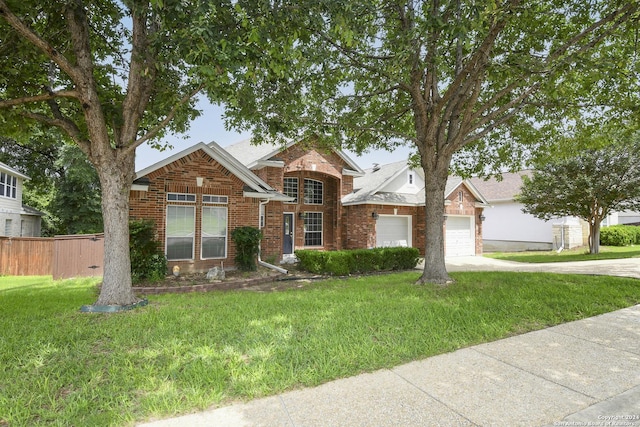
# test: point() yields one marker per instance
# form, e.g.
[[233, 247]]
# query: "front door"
[[287, 237]]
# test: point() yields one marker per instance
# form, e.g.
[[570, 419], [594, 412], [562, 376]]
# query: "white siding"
[[506, 221]]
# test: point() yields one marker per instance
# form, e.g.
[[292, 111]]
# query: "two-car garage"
[[396, 230]]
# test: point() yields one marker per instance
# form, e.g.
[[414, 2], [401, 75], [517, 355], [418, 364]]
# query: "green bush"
[[620, 235], [247, 240], [147, 260], [358, 261]]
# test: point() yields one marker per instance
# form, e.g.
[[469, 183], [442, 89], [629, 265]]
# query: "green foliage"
[[620, 235], [589, 185], [247, 240], [147, 260], [358, 261]]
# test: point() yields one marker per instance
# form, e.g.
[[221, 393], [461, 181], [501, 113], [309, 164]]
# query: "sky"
[[210, 127]]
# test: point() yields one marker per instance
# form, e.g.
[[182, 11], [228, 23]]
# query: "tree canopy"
[[63, 184], [113, 75], [589, 185], [443, 76]]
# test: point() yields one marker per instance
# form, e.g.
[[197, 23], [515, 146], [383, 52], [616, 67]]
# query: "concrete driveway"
[[629, 267]]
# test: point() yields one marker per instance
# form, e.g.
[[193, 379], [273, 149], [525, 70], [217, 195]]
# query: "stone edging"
[[206, 287]]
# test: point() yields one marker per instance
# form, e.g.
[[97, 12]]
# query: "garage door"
[[393, 231], [459, 237]]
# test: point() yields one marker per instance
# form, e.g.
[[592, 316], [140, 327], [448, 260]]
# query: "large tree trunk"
[[435, 270], [116, 178]]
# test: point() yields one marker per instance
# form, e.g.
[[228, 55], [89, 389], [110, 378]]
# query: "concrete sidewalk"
[[583, 373]]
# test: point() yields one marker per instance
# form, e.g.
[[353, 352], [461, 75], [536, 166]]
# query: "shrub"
[[147, 260], [358, 261], [620, 235], [247, 240]]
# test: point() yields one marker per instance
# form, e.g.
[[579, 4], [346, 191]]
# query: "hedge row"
[[358, 261], [620, 235]]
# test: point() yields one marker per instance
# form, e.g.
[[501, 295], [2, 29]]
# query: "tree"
[[441, 75], [112, 75], [63, 184], [590, 185]]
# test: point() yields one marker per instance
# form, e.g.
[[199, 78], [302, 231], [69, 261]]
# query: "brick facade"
[[343, 227], [361, 229], [180, 177], [302, 164]]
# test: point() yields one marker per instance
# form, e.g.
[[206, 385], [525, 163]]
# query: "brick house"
[[299, 195]]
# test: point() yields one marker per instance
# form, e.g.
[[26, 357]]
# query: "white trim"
[[8, 169], [268, 163], [350, 172], [140, 187]]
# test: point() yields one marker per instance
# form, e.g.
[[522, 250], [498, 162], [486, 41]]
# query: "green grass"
[[184, 353], [579, 254]]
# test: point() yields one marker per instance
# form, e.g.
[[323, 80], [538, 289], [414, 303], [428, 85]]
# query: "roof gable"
[[374, 187], [256, 156], [221, 156]]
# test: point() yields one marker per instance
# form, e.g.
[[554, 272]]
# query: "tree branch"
[[157, 128], [26, 32], [39, 98]]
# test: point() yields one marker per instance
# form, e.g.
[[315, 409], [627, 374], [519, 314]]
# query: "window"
[[214, 232], [180, 232], [312, 192], [460, 196], [313, 229], [290, 188], [215, 199], [8, 186], [410, 178], [178, 197]]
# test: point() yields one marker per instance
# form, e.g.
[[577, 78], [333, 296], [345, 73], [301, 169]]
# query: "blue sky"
[[210, 127]]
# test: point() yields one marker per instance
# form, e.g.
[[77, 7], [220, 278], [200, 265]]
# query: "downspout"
[[260, 261]]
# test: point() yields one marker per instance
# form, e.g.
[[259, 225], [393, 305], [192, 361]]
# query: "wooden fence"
[[61, 256], [26, 256]]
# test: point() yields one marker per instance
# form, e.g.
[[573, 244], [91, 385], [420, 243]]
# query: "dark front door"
[[287, 237]]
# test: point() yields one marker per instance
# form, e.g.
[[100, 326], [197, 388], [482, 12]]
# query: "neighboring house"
[[507, 228], [16, 219], [300, 196]]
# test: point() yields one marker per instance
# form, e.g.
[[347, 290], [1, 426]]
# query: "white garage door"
[[393, 231], [460, 239]]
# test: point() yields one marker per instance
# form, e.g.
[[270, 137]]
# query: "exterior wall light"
[[482, 218], [375, 215]]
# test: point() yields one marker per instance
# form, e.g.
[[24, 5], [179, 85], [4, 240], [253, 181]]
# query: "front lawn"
[[578, 254], [184, 353]]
